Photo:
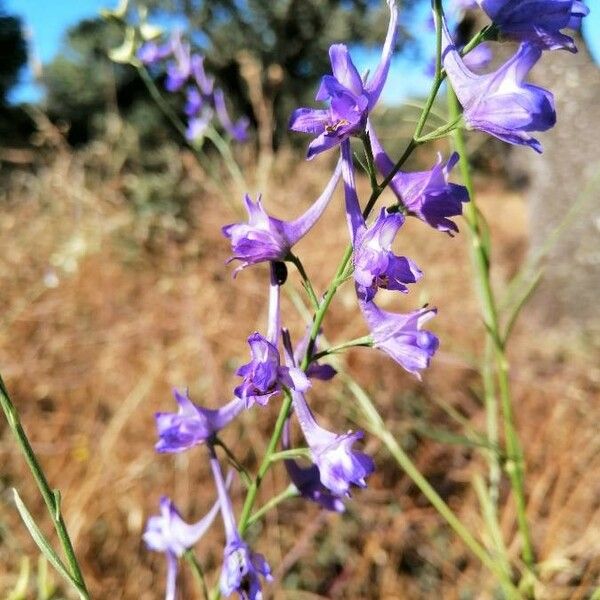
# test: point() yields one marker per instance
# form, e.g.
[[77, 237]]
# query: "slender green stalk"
[[292, 453], [211, 133], [198, 572], [305, 280], [265, 464], [366, 340], [289, 492], [377, 427], [235, 462], [491, 419], [51, 497], [225, 151], [481, 262], [437, 78]]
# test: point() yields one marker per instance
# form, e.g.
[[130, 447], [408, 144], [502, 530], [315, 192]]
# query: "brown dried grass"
[[89, 361]]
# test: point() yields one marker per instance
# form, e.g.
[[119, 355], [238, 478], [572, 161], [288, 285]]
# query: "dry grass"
[[98, 324]]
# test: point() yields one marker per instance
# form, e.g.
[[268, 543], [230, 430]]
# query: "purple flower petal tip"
[[191, 424], [401, 335], [537, 21], [241, 570], [501, 103]]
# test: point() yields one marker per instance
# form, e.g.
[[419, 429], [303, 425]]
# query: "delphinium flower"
[[536, 21], [179, 70], [264, 238], [501, 103], [170, 534], [151, 53], [428, 195], [401, 337], [264, 376], [350, 99], [479, 58], [203, 100], [238, 130], [338, 464], [191, 424], [241, 566], [307, 480], [375, 265]]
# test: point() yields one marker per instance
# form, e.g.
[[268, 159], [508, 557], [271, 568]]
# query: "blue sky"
[[47, 24]]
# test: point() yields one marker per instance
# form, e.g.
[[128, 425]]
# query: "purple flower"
[[479, 58], [351, 100], [264, 238], [241, 567], [179, 71], [536, 21], [197, 126], [204, 82], [264, 376], [375, 265], [170, 534], [191, 424], [307, 480], [401, 335], [238, 130], [500, 103], [193, 102], [339, 465], [426, 194], [151, 53], [241, 570]]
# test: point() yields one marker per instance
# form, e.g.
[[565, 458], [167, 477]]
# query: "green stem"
[[235, 462], [225, 151], [289, 492], [305, 280], [211, 133], [160, 102], [481, 261], [366, 340], [51, 497], [292, 453], [437, 79], [377, 428], [265, 464], [197, 570]]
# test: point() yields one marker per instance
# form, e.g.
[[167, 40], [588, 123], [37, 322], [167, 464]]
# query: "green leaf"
[[42, 543]]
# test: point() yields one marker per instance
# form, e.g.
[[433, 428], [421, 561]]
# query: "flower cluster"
[[500, 103], [204, 101]]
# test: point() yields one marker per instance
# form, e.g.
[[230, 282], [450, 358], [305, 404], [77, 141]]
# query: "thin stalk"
[[265, 464], [198, 572], [437, 79], [289, 492], [51, 497], [305, 280], [225, 151], [290, 454], [515, 467], [491, 419], [235, 462], [366, 340], [377, 428], [211, 133]]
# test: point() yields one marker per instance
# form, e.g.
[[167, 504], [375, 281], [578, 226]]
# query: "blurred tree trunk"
[[564, 192]]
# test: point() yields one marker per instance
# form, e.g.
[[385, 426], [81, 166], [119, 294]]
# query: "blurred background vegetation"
[[113, 290]]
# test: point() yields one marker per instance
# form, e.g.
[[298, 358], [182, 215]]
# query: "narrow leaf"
[[41, 541]]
